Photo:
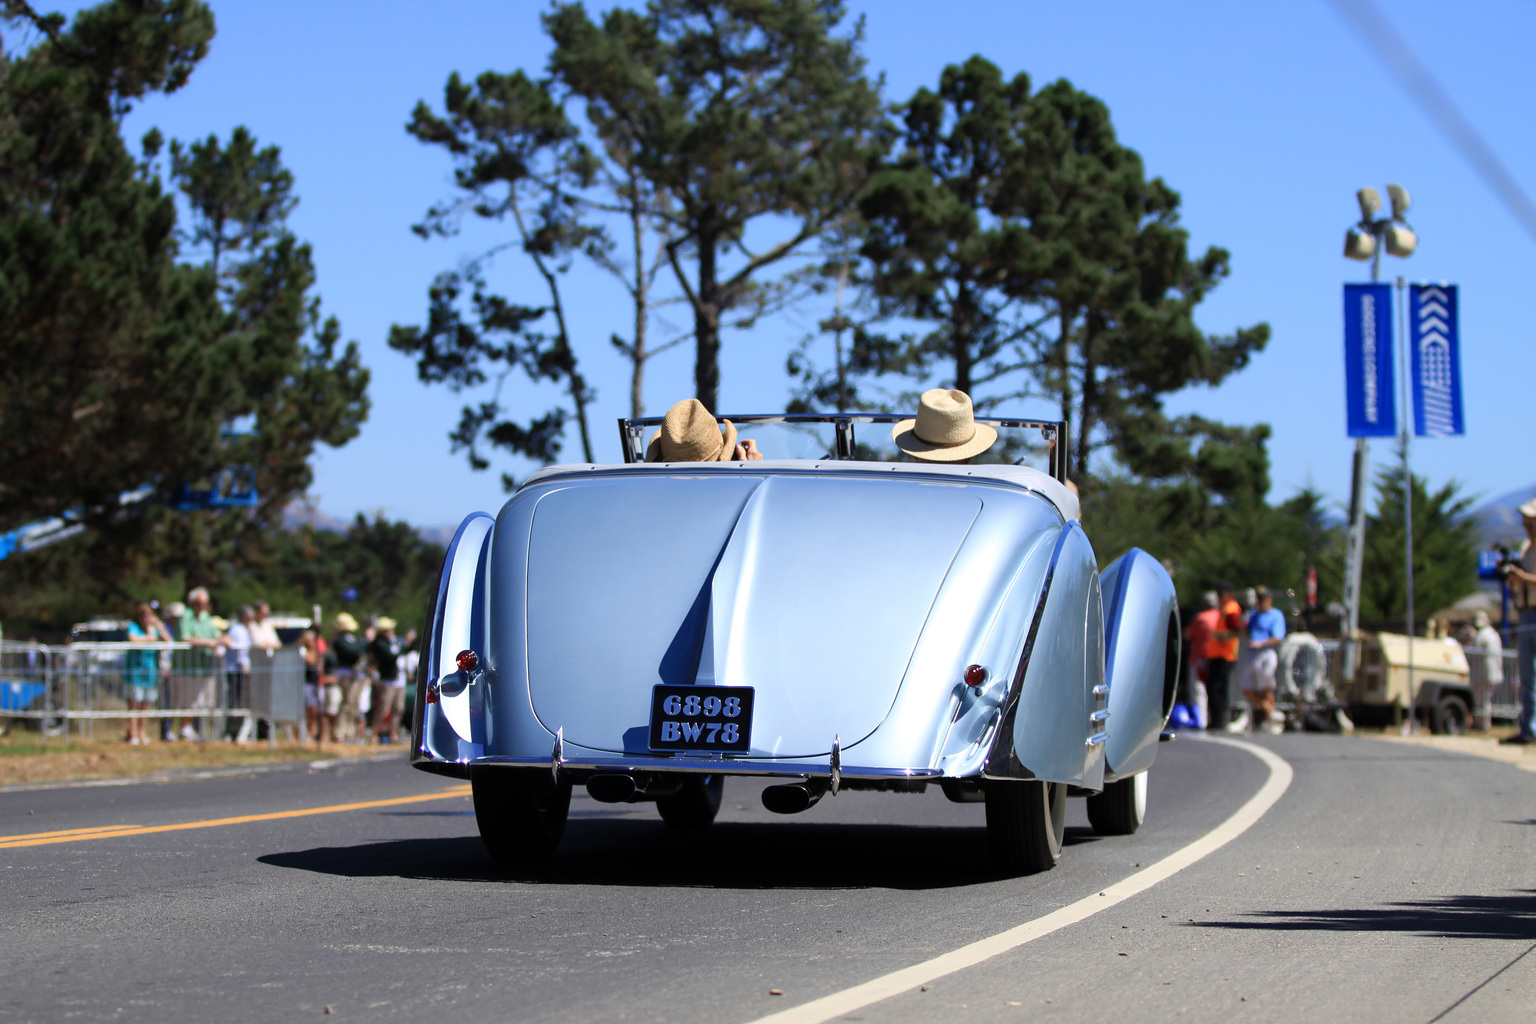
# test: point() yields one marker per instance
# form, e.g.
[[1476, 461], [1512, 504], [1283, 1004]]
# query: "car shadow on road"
[[1508, 916], [735, 855]]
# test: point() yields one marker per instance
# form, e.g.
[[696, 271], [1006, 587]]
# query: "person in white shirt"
[[237, 670], [263, 633], [1486, 655]]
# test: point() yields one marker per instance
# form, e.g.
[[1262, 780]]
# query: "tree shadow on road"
[[1510, 916], [729, 855]]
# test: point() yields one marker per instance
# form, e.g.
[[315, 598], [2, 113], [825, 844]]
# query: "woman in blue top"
[[141, 669], [1266, 628]]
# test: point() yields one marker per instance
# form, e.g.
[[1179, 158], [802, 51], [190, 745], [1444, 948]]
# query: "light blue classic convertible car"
[[830, 618]]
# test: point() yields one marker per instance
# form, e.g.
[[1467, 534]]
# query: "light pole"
[[1366, 241]]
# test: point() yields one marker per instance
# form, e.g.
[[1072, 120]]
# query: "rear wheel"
[[1450, 716], [521, 812], [1121, 808], [1025, 823], [695, 805]]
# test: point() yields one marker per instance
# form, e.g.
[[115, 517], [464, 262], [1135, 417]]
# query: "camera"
[[1505, 561]]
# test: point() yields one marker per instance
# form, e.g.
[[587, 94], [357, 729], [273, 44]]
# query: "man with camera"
[[1520, 578]]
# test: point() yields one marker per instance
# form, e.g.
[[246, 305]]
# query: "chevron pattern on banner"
[[1435, 361]]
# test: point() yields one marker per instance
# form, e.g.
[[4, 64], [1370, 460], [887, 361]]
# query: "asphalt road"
[[1389, 883]]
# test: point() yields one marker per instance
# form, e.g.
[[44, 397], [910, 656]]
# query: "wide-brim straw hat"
[[1529, 509], [384, 622], [346, 623], [690, 434], [944, 430]]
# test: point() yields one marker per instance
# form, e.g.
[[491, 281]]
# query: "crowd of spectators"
[[1215, 636], [1224, 632], [354, 681]]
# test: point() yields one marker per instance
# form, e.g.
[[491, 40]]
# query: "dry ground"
[[25, 758]]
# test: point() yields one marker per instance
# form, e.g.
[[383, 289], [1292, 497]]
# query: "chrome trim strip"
[[1102, 690], [835, 763], [727, 766], [1099, 716], [557, 757], [1097, 738]]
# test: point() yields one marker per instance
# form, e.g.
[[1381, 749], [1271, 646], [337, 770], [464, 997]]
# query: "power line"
[[1393, 51]]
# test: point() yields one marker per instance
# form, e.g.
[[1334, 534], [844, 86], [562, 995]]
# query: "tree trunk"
[[1064, 367], [706, 326], [567, 357], [1090, 395], [642, 299], [960, 344]]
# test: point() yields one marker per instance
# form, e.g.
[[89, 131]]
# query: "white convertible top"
[[1043, 484]]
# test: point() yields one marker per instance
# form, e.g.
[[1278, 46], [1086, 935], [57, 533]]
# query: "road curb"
[[1489, 749], [199, 774]]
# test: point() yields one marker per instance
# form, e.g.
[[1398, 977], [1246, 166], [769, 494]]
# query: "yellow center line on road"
[[113, 831], [70, 832]]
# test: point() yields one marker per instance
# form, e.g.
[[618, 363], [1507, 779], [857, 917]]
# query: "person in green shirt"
[[196, 669]]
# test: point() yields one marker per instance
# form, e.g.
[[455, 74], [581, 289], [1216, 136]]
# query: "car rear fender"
[[1053, 724], [1141, 643], [450, 722]]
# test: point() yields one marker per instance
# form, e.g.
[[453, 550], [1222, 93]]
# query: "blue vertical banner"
[[1434, 361], [1368, 382]]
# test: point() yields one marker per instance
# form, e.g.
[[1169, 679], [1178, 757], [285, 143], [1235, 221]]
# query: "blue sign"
[[1368, 360], [1434, 361]]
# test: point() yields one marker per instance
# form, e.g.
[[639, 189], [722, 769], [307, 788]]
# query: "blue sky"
[[1266, 117]]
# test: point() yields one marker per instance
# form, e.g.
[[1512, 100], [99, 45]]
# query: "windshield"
[[860, 437]]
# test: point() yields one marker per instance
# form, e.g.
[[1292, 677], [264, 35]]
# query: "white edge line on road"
[[818, 1011]]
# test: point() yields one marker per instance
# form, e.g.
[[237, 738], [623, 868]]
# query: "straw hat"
[[346, 623], [384, 622], [945, 429], [690, 434], [1529, 509]]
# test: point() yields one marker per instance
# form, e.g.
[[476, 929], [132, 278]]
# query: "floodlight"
[[1370, 202], [1359, 245], [1401, 241], [1400, 200]]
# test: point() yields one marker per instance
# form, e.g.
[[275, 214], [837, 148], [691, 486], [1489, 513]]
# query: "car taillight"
[[433, 697], [468, 661], [975, 675]]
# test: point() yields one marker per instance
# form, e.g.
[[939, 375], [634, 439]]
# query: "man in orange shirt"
[[1197, 638], [1220, 655]]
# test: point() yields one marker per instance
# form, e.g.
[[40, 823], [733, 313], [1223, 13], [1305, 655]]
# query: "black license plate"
[[701, 718]]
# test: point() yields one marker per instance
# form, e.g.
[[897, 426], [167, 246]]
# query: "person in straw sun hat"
[[690, 434], [944, 430]]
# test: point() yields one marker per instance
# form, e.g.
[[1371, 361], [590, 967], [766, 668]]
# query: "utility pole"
[[1365, 241]]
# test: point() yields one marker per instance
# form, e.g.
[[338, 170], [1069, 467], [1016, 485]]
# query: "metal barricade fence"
[[83, 683]]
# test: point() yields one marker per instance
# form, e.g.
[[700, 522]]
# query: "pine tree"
[[1045, 263], [1444, 549], [126, 357], [737, 114]]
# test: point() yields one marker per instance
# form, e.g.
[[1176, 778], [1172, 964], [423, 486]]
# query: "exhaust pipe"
[[793, 797], [611, 788], [618, 788]]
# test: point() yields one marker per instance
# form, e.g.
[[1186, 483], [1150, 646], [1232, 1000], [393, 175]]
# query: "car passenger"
[[944, 430], [690, 434]]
